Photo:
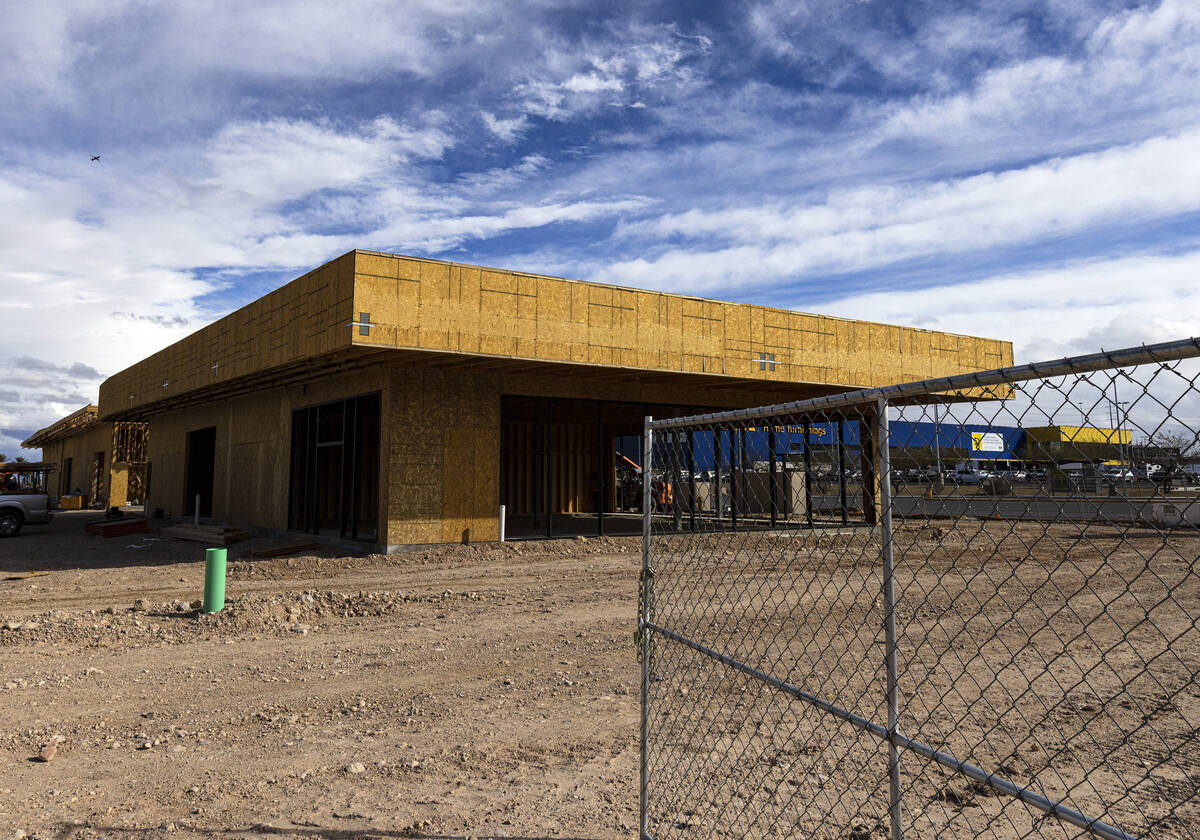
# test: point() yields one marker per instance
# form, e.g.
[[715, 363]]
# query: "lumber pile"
[[116, 527], [282, 549], [206, 533]]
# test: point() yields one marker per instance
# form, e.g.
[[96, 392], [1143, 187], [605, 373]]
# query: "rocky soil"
[[466, 691]]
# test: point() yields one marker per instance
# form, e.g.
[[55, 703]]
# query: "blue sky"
[[1022, 170]]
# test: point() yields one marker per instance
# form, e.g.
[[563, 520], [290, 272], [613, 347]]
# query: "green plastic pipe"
[[214, 580]]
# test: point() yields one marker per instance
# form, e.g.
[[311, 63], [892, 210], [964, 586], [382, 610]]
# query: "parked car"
[[967, 476], [20, 509]]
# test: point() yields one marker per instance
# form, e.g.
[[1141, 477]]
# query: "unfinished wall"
[[80, 436], [118, 484], [253, 445], [431, 305], [82, 447], [443, 434], [308, 317]]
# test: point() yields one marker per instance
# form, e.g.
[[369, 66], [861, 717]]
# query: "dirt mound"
[[302, 612], [317, 564], [180, 621]]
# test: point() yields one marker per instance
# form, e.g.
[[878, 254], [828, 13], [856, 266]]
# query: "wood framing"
[[104, 461]]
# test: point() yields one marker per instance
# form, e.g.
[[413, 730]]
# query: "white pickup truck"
[[19, 509]]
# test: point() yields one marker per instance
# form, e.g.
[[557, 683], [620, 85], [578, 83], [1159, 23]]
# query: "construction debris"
[[206, 533]]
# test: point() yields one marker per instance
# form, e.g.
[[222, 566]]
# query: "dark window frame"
[[305, 470]]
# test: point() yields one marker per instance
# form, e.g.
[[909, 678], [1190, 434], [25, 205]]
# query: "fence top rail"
[[1167, 351]]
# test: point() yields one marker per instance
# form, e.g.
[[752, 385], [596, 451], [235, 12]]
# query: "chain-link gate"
[[964, 607]]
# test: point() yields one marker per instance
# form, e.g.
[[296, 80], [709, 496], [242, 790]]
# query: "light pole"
[[937, 445], [1115, 412]]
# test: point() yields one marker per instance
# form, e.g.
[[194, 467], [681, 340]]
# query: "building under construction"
[[400, 401], [93, 461]]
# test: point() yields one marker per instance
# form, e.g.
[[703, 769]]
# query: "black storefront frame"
[[304, 469]]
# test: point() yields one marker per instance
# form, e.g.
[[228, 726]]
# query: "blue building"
[[912, 444]]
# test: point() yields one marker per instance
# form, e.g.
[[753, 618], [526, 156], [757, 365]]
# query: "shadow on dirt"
[[68, 831], [63, 545]]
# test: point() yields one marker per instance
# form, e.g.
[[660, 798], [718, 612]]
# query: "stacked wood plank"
[[116, 527], [216, 534], [282, 549]]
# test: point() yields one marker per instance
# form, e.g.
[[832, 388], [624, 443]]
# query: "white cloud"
[[1049, 313], [1136, 71], [486, 183], [592, 83], [836, 44], [622, 70], [37, 52], [507, 130], [437, 232], [280, 39], [286, 159], [876, 226]]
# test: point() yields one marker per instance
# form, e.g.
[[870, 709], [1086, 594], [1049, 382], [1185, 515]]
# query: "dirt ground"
[[492, 691], [1063, 657], [467, 691]]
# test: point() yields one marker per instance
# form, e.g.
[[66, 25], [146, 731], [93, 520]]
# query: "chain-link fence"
[[964, 607]]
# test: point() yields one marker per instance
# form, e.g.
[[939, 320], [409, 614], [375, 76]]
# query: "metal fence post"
[[882, 447], [773, 468], [743, 462], [718, 477], [676, 490], [735, 491], [691, 467], [644, 618], [808, 482], [841, 467]]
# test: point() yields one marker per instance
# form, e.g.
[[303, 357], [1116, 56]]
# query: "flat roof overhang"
[[333, 316], [361, 358]]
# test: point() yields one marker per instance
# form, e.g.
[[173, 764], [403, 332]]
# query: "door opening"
[[573, 467], [201, 463], [334, 487]]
